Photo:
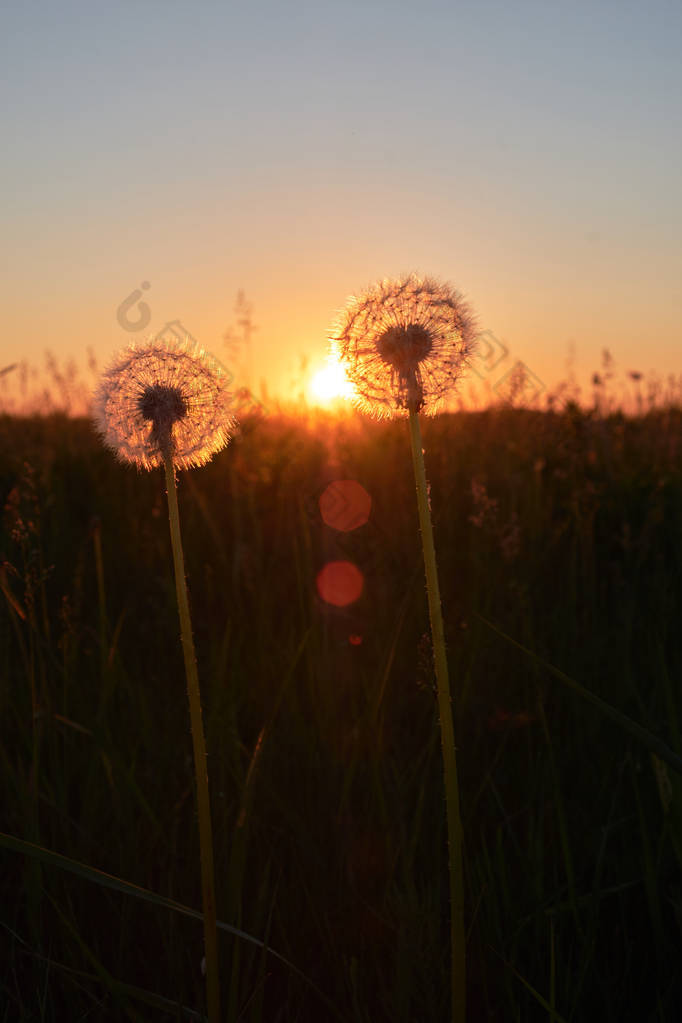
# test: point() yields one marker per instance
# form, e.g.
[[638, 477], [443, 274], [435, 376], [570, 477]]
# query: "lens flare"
[[345, 505], [340, 583]]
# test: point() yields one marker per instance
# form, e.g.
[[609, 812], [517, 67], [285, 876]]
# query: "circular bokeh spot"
[[345, 505], [340, 583]]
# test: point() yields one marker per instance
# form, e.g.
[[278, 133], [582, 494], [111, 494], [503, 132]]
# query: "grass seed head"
[[164, 394], [404, 344]]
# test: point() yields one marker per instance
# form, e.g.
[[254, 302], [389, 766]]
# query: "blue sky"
[[530, 153]]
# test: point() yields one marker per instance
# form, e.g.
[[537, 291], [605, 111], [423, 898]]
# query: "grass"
[[562, 529]]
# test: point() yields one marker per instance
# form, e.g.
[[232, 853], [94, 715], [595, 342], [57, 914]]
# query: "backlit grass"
[[562, 529]]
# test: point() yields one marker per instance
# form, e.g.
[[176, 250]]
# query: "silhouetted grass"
[[564, 529]]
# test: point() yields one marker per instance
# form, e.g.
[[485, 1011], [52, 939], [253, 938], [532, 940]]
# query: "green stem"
[[200, 770], [447, 734]]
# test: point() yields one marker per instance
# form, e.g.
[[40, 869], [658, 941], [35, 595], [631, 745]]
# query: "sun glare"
[[329, 385]]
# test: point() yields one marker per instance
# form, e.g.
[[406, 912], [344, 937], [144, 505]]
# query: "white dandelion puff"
[[404, 344], [164, 393], [166, 403]]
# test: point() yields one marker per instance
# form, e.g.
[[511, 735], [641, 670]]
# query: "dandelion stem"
[[454, 824], [198, 742]]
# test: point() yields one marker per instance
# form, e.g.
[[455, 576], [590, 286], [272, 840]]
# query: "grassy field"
[[562, 530]]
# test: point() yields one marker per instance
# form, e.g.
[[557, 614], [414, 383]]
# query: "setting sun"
[[329, 384]]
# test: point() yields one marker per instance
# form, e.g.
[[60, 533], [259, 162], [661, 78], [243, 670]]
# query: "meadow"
[[560, 530]]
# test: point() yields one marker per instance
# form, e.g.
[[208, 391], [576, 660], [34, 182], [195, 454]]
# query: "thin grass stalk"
[[101, 599], [447, 734], [199, 746]]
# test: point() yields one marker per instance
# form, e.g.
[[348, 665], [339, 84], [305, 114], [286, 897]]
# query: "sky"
[[529, 153]]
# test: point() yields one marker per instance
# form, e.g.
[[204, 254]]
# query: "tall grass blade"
[[555, 1016], [647, 738], [99, 877]]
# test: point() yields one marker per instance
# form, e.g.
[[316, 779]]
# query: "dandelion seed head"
[[158, 402], [404, 344], [163, 393]]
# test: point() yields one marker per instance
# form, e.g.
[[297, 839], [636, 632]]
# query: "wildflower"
[[165, 402], [404, 344], [164, 397]]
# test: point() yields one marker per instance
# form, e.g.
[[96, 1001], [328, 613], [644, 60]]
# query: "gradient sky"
[[530, 153]]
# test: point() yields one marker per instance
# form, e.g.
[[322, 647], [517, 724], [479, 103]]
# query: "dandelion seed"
[[404, 344], [164, 394]]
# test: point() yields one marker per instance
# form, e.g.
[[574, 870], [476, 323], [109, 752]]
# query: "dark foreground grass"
[[564, 530]]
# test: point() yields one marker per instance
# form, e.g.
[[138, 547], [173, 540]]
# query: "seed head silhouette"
[[404, 344], [164, 393]]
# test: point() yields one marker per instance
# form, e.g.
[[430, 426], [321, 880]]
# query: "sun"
[[329, 385]]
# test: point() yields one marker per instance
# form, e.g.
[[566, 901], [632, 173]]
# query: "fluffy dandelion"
[[166, 403], [163, 392], [404, 344]]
